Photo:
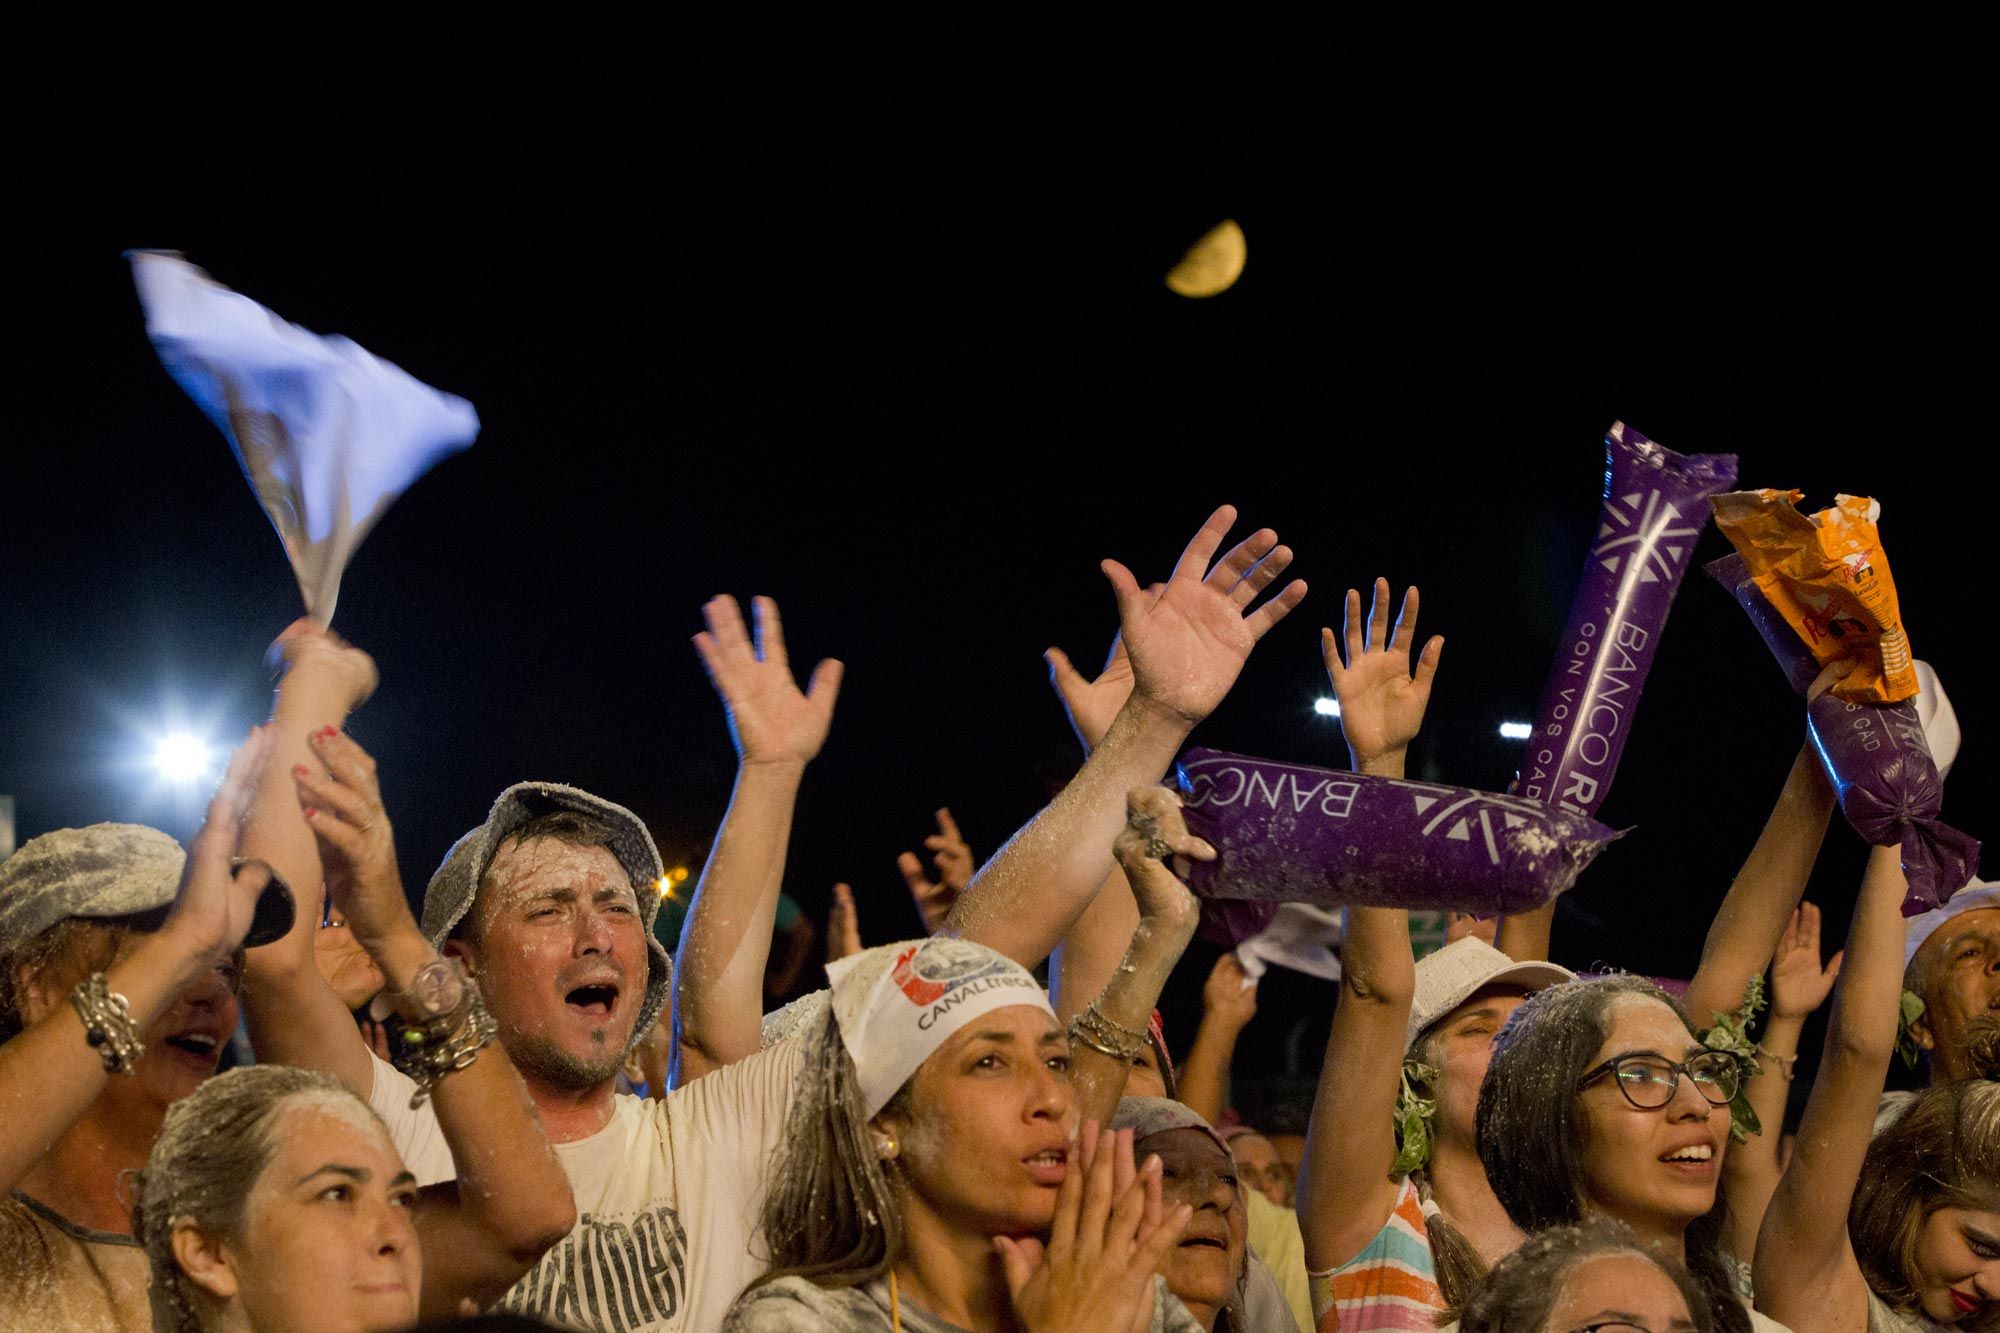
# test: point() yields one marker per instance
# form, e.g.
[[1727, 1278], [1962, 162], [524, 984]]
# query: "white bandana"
[[898, 1003]]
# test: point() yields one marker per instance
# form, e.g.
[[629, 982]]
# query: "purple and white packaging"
[[1890, 792], [1878, 755], [1294, 833], [1655, 502]]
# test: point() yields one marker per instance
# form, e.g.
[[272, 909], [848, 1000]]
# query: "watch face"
[[436, 988]]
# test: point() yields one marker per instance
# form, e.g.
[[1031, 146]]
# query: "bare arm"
[[1167, 916], [1799, 985], [1228, 1003], [1524, 936], [49, 1072], [510, 1201], [1187, 647], [1344, 1193], [1806, 1272], [294, 1019], [1766, 892], [719, 970]]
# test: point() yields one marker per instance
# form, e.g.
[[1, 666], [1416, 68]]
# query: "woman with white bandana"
[[933, 1175]]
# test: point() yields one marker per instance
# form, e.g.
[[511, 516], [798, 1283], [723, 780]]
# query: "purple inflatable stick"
[[1655, 502], [1890, 792], [1292, 833], [1876, 754]]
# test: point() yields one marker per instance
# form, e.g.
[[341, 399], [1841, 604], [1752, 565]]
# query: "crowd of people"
[[511, 1107]]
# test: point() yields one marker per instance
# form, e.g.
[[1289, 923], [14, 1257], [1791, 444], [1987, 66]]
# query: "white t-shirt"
[[668, 1196]]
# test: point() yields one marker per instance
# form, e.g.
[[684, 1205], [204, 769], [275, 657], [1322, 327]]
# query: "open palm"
[[770, 720], [1188, 644], [1381, 701]]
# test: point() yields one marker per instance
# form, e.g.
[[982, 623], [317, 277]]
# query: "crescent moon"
[[1213, 264]]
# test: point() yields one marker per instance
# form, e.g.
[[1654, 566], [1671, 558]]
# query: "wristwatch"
[[436, 991]]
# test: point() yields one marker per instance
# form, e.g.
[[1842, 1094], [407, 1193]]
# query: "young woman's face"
[[1465, 1048], [1204, 1268], [986, 1141], [1656, 1170], [1957, 1273], [1623, 1289], [328, 1241]]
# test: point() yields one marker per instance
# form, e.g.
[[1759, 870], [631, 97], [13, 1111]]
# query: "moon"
[[1213, 264]]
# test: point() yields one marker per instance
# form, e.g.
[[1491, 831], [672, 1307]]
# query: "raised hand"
[[348, 970], [309, 655], [1381, 703], [1188, 645], [1110, 1234], [843, 926], [214, 906], [1799, 984], [1091, 704], [1154, 832], [770, 721], [1229, 995], [357, 846], [953, 859]]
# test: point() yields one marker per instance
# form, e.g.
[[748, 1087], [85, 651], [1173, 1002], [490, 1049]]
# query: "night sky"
[[885, 337]]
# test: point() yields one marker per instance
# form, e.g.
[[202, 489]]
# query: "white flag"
[[328, 434]]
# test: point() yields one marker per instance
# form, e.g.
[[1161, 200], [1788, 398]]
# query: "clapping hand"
[[1110, 1235]]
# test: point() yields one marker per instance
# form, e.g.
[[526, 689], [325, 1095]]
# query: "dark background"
[[881, 332]]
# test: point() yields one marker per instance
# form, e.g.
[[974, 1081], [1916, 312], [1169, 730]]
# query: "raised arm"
[[1766, 891], [1799, 985], [1228, 1003], [1187, 646], [719, 969], [1806, 1273], [1108, 1037], [294, 1019], [49, 1072], [510, 1201], [1344, 1192]]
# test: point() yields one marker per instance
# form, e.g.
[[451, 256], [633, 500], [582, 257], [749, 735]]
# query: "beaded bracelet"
[[107, 1024]]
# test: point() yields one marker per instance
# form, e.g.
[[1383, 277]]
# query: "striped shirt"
[[1390, 1285]]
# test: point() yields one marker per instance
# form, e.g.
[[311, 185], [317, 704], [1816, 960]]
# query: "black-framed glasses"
[[1650, 1081]]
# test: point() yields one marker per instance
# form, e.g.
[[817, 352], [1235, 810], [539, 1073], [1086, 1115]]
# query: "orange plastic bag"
[[1827, 576]]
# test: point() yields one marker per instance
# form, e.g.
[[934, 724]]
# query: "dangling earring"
[[885, 1148]]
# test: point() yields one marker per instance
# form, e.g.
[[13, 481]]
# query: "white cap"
[[897, 1003], [1454, 974], [1940, 721], [1980, 893]]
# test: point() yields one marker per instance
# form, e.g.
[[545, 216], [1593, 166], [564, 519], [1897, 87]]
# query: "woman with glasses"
[[1596, 1277], [1902, 1232], [1600, 1101]]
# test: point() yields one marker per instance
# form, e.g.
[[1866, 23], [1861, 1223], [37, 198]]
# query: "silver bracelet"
[[416, 1052], [1113, 1038], [107, 1024]]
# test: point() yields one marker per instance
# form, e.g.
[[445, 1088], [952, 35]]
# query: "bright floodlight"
[[1327, 707], [1516, 731], [181, 758]]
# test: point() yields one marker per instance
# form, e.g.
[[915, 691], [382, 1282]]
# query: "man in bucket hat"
[[548, 905]]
